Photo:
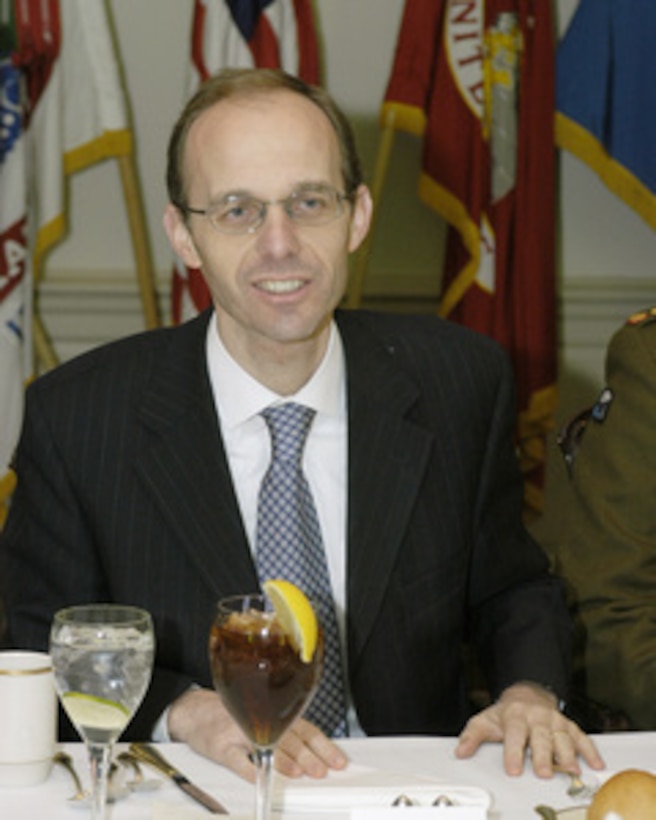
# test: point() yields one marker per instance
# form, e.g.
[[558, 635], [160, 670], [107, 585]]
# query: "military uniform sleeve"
[[605, 544]]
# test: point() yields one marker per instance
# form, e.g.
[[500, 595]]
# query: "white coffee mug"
[[28, 717]]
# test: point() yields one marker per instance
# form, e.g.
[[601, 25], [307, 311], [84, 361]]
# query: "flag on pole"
[[62, 109], [15, 290], [77, 113], [475, 80], [242, 34], [606, 96]]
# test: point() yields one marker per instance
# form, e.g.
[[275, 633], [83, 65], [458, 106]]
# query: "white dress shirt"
[[248, 443]]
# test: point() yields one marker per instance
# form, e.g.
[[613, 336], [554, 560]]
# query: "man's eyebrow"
[[245, 193], [238, 193]]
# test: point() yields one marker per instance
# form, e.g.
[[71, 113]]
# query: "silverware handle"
[[148, 754], [128, 759], [65, 760]]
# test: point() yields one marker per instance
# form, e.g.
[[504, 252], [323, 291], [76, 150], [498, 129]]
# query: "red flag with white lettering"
[[261, 33], [475, 79]]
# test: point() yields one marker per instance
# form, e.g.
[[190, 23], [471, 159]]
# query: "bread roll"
[[627, 795]]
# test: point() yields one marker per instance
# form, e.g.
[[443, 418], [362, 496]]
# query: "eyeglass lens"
[[308, 205]]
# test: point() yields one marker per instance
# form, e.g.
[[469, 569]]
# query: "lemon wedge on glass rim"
[[94, 712], [296, 616]]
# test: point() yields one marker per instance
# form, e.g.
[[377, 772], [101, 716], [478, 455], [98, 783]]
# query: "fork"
[[81, 795]]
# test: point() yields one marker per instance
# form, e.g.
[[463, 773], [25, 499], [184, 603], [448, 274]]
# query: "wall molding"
[[589, 308], [82, 311]]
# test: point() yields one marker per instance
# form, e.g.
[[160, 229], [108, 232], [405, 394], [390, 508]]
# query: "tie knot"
[[288, 425]]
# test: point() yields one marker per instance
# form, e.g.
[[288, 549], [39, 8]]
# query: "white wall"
[[606, 251]]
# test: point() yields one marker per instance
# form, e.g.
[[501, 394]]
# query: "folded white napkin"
[[359, 786], [173, 811]]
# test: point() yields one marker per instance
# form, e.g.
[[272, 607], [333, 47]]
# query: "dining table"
[[382, 762]]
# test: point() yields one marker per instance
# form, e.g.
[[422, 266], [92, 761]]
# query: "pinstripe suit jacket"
[[124, 494]]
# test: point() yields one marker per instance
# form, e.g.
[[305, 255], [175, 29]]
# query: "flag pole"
[[142, 255], [43, 349], [354, 298]]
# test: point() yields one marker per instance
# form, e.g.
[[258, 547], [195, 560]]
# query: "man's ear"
[[179, 236], [360, 218]]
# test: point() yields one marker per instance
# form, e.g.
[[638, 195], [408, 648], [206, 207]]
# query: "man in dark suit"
[[139, 463]]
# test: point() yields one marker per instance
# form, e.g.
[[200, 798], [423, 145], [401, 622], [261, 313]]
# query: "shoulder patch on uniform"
[[602, 406], [642, 317], [570, 435]]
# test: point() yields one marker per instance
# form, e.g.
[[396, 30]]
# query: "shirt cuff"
[[160, 733]]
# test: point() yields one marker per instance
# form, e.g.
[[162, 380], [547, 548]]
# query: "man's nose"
[[278, 234]]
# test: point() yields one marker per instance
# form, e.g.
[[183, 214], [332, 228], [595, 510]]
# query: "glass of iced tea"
[[265, 675]]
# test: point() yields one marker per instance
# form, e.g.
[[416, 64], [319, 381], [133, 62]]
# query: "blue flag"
[[606, 96]]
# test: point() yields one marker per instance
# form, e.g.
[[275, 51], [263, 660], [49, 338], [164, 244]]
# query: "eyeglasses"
[[307, 206]]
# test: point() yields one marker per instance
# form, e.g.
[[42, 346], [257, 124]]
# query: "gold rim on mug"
[[26, 656], [37, 671]]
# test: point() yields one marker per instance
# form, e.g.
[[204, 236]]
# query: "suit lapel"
[[185, 467], [387, 456]]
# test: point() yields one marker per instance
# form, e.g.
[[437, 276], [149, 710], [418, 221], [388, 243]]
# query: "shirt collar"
[[325, 392]]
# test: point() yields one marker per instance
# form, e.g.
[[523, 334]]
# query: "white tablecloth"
[[513, 798]]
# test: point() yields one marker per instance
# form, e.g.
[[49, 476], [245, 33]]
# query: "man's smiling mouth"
[[280, 285]]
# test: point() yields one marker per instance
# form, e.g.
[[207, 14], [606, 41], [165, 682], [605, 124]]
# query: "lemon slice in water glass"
[[296, 616], [95, 713]]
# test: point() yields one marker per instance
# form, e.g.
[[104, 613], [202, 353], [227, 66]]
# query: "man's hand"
[[199, 718], [525, 717]]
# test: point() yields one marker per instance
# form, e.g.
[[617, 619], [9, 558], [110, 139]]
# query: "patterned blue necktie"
[[289, 546]]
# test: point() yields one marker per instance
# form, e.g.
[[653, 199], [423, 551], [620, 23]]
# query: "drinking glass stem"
[[263, 759], [99, 755]]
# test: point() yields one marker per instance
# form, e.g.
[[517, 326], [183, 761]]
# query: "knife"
[[149, 755]]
